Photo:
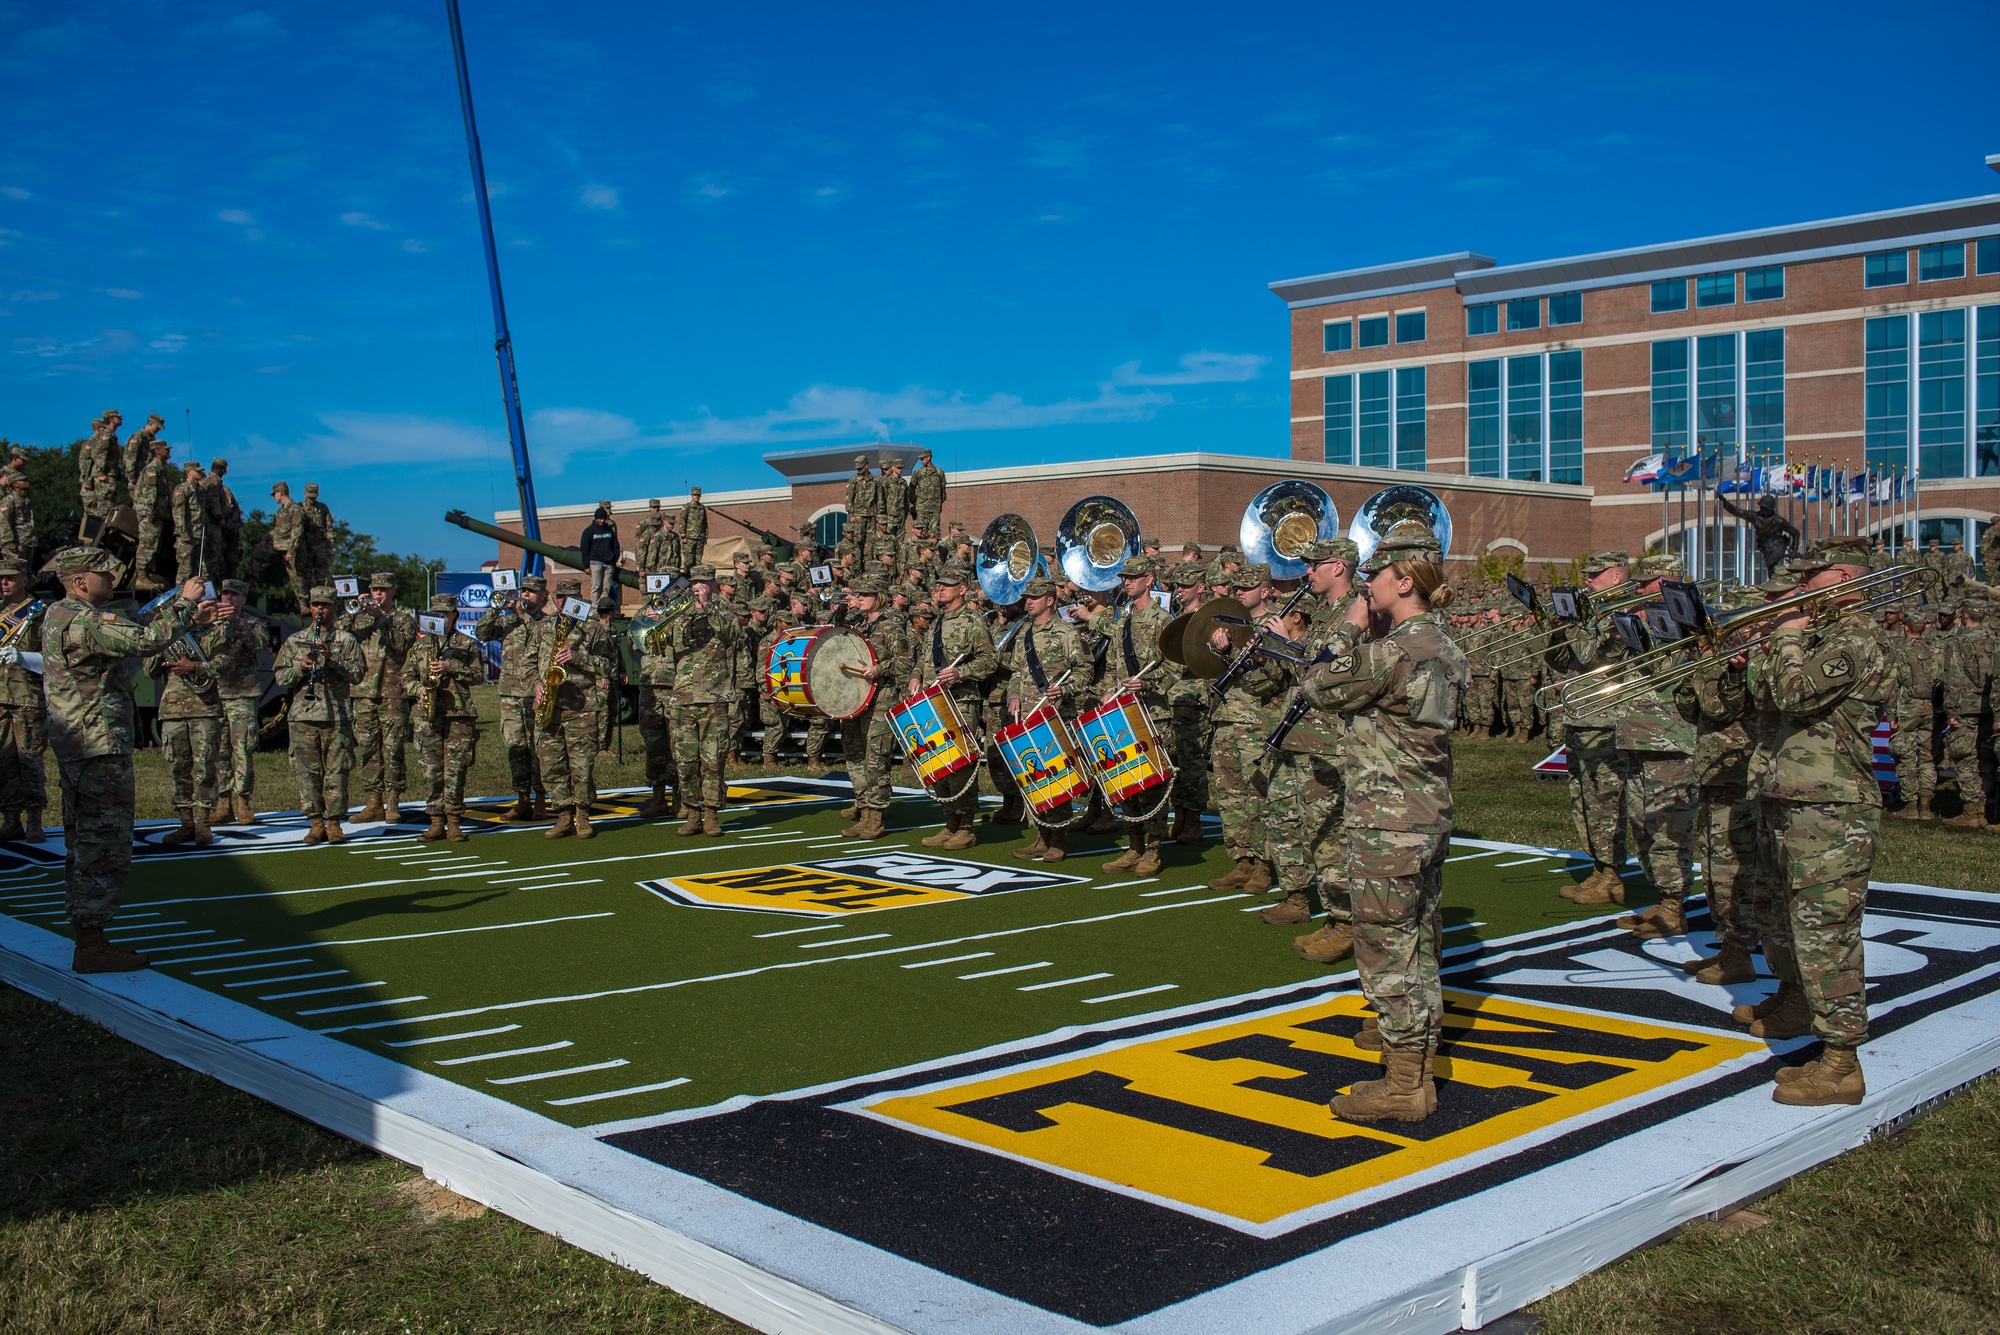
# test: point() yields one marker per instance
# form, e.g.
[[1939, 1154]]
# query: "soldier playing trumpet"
[[439, 675]]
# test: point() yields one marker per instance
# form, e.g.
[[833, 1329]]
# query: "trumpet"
[[1723, 637], [352, 605], [649, 629]]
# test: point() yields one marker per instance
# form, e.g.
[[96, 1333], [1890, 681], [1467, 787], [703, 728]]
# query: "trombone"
[[1592, 614], [1722, 637]]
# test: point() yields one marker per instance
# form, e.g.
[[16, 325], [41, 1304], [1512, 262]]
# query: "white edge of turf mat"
[[1429, 1274]]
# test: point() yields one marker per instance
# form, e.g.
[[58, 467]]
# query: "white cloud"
[[824, 412], [1197, 368], [357, 219], [169, 343], [14, 192], [708, 190], [600, 197], [237, 217], [415, 247], [26, 294], [571, 428], [123, 293], [365, 440]]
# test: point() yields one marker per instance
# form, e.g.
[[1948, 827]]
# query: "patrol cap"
[[9, 566], [322, 594], [85, 560], [860, 461], [1840, 551], [953, 572], [1780, 584], [1136, 566], [382, 579], [535, 582], [1330, 549], [868, 584], [443, 602], [704, 571], [607, 604], [1188, 576], [923, 610], [569, 585], [218, 465], [1407, 541], [1041, 586], [1604, 561], [1191, 549], [763, 602], [1741, 595], [234, 586], [1659, 565], [312, 489]]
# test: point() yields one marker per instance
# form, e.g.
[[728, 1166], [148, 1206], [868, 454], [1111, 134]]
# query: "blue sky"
[[1017, 235]]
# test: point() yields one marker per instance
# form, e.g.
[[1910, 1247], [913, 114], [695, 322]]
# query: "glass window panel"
[[1339, 335], [1670, 294], [1886, 392], [1767, 284], [1986, 422], [1524, 418], [1764, 396], [1340, 419], [1989, 254], [1566, 417], [1715, 289], [1566, 308], [1410, 327], [1670, 397], [1524, 313], [1886, 268], [1372, 420], [1942, 261], [1941, 393], [1482, 419], [1410, 418], [1375, 332], [1715, 394], [1482, 319]]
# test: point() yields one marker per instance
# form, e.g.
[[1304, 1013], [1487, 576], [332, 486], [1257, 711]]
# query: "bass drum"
[[817, 670]]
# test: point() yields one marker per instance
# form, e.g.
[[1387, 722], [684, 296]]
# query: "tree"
[[353, 554], [54, 489]]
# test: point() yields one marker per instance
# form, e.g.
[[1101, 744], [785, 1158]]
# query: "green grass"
[[137, 1195]]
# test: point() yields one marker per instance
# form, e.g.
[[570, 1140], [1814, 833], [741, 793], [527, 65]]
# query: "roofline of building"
[[1379, 279]]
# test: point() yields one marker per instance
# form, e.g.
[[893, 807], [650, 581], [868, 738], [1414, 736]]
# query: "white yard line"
[[614, 1093], [507, 1052], [1136, 992], [321, 991], [1489, 853], [1120, 885], [146, 934], [453, 1038], [842, 941], [287, 978], [557, 885], [1518, 862], [801, 931], [551, 1075], [524, 876], [245, 968], [362, 1005], [372, 940], [995, 973], [204, 945], [1063, 982], [951, 959], [1148, 894]]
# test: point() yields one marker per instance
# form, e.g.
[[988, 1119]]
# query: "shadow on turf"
[[377, 906]]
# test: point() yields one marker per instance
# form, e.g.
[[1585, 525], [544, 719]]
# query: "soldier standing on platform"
[[18, 540], [439, 673], [99, 467], [957, 654], [927, 488], [240, 690], [646, 535], [318, 665], [139, 445], [288, 526], [386, 634], [225, 522], [1047, 665], [860, 505], [892, 508], [567, 747], [153, 497], [704, 643], [190, 521], [866, 739], [316, 538], [694, 531], [1135, 667], [514, 628], [23, 732]]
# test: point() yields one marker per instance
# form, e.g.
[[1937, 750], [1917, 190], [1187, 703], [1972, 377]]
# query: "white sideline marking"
[[524, 876], [1519, 862], [842, 941], [1489, 853], [952, 959], [322, 991], [363, 1005], [370, 940], [995, 973], [557, 885], [799, 931], [1136, 992], [1063, 982], [204, 945], [508, 1052], [1148, 894], [1120, 885], [147, 934], [550, 1075], [244, 968], [615, 1093], [288, 978], [451, 1038]]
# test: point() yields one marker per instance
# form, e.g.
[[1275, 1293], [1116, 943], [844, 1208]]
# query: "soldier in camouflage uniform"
[[1135, 666], [867, 741], [860, 505], [656, 680], [139, 446], [1910, 715], [892, 509], [225, 521], [1399, 692], [646, 536], [775, 624], [958, 655], [152, 497], [1825, 809], [1970, 661], [1189, 701], [694, 530], [567, 747], [1306, 831], [1514, 669], [189, 513], [316, 536], [1240, 720], [18, 540], [190, 713], [514, 628], [1482, 696], [288, 528], [90, 720], [1046, 664], [439, 673], [240, 690], [806, 611], [743, 668], [23, 718], [927, 490], [99, 467], [705, 641], [386, 634], [319, 664], [1596, 767]]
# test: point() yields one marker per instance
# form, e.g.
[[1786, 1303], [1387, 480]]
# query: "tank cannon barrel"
[[562, 556]]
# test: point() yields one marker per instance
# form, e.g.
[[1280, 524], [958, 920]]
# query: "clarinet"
[[1241, 663], [1297, 707]]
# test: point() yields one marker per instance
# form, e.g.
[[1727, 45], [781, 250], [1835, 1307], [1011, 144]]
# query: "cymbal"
[[1202, 659], [1170, 638]]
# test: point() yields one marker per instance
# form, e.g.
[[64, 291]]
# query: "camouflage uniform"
[[773, 719], [1516, 675], [866, 740], [860, 506], [892, 508], [321, 720], [1735, 857], [646, 537], [1038, 657], [1133, 646], [447, 718], [656, 679], [927, 488], [316, 536], [960, 634], [1969, 667], [152, 497], [23, 728], [1656, 745], [190, 714], [225, 521], [99, 468], [1597, 768], [1307, 832], [1482, 694], [139, 447], [287, 539], [18, 541], [90, 721], [1911, 718], [381, 718], [567, 747], [743, 675], [519, 675], [694, 532], [704, 654], [1240, 721], [1188, 700], [190, 519], [237, 684]]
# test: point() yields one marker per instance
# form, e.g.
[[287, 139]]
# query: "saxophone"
[[552, 680]]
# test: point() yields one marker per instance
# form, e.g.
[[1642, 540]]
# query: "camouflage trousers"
[[1153, 800], [190, 747], [1824, 852], [869, 745], [1517, 703], [1191, 749], [1735, 864], [23, 741], [1962, 748], [818, 732], [189, 558], [236, 748], [996, 765], [447, 749], [299, 576], [1236, 778], [381, 730], [1910, 744], [1397, 879], [701, 742], [656, 732], [153, 539], [322, 754], [1660, 794], [518, 731], [97, 833], [775, 726], [930, 522], [1482, 701], [1307, 838], [566, 751], [1597, 793]]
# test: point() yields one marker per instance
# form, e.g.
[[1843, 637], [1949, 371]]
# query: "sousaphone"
[[1006, 559], [1395, 505], [1094, 540], [1282, 521]]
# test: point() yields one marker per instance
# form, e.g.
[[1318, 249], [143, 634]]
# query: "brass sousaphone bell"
[[1095, 538], [1006, 559], [1395, 505], [1282, 521]]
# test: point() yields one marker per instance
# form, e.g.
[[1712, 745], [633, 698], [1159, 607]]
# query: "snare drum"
[[1123, 749], [1042, 755], [934, 736], [817, 670]]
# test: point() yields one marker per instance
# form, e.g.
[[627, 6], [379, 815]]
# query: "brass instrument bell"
[[1006, 558], [1096, 537], [1394, 505], [1283, 520]]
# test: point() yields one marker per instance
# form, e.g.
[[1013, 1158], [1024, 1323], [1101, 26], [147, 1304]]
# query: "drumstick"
[[853, 671]]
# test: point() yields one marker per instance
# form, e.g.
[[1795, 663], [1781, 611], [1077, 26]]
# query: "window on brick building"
[[1524, 418], [1886, 268], [1715, 289], [1410, 452], [1988, 254], [1941, 392], [1340, 419], [1484, 318], [1945, 261], [1482, 419], [1375, 331], [1767, 284], [1410, 327], [1986, 400], [1566, 308], [1373, 447], [1715, 394], [1670, 294], [1886, 392], [1764, 396], [1524, 313], [1670, 397], [1338, 335], [1566, 417]]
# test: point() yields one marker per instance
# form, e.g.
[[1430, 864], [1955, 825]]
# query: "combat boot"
[[12, 829], [334, 834], [1036, 849], [523, 808], [1924, 809], [1745, 1014], [1259, 880], [580, 823], [436, 830], [770, 764], [203, 836], [1972, 818], [655, 806], [316, 832], [1834, 1078], [563, 828], [1149, 858], [541, 806], [1369, 1038], [869, 826], [1126, 861], [1234, 878], [852, 811], [453, 830], [33, 820], [1332, 943], [711, 823], [244, 815], [1101, 821], [1667, 919], [1729, 965], [1590, 882], [1055, 845], [392, 807], [961, 838], [184, 835], [94, 954], [692, 826], [1013, 810], [1291, 909], [373, 811], [1187, 826], [937, 838], [1790, 1018], [1399, 1096], [1610, 889]]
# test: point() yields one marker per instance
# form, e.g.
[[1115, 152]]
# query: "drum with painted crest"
[[819, 670], [934, 736], [1042, 754], [1126, 756]]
